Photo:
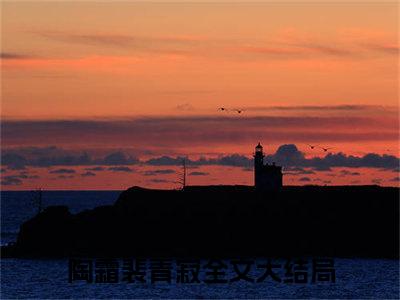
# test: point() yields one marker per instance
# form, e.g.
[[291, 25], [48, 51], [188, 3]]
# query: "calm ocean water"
[[25, 278]]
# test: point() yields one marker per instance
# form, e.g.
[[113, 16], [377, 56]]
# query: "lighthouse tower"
[[258, 164], [266, 177]]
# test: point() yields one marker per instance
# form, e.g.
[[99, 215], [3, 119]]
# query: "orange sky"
[[90, 61]]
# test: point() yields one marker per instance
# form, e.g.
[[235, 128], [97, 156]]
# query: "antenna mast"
[[182, 179]]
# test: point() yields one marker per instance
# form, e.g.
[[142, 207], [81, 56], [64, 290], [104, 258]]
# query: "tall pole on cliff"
[[182, 177]]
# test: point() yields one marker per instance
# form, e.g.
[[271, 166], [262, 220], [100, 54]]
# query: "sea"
[[355, 278]]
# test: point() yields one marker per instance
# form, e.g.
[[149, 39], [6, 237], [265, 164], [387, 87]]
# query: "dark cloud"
[[11, 180], [305, 179], [158, 172], [118, 158], [13, 161], [88, 174], [156, 180], [323, 181], [198, 173], [326, 49], [287, 155], [272, 52], [395, 179], [166, 161], [113, 40], [341, 108], [322, 168], [298, 171], [163, 45], [40, 151], [25, 175], [196, 45], [349, 173], [229, 160], [9, 55], [384, 48], [95, 169], [120, 169], [303, 50], [19, 158], [62, 171], [42, 157], [372, 160], [178, 132], [308, 50], [290, 157], [65, 176]]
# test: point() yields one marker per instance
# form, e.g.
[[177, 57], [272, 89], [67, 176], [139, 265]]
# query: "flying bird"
[[325, 149], [312, 146], [239, 111], [222, 109]]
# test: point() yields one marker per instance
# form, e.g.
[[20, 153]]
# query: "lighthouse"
[[267, 177]]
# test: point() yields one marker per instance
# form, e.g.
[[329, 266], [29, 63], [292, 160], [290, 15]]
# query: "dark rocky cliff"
[[222, 221]]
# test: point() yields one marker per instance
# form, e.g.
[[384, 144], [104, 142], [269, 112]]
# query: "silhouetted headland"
[[225, 221]]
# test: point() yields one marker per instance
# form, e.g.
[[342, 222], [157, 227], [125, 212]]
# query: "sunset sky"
[[106, 95]]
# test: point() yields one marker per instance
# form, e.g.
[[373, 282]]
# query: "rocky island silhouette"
[[265, 220]]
